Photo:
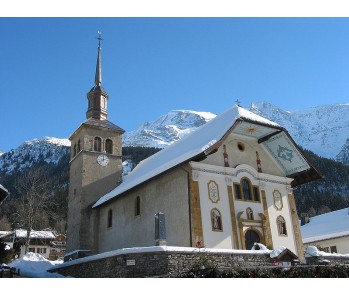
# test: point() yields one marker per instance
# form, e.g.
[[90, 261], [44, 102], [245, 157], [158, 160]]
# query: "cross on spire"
[[99, 38]]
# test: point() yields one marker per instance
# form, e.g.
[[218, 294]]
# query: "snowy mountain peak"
[[46, 139], [44, 149], [323, 129], [167, 128]]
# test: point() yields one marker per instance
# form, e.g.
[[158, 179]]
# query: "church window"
[[79, 145], [109, 146], [281, 224], [241, 147], [216, 220], [256, 193], [74, 150], [237, 190], [138, 206], [246, 189], [110, 218], [249, 213], [97, 144]]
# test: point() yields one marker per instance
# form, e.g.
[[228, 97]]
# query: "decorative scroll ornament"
[[225, 155], [213, 192]]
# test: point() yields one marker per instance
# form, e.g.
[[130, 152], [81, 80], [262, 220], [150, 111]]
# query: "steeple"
[[97, 96], [98, 76]]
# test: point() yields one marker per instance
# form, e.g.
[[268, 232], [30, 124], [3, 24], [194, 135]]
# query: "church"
[[226, 185]]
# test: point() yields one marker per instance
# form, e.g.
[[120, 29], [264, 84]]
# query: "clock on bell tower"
[[95, 165]]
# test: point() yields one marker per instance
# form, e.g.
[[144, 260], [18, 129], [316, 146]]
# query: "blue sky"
[[153, 65]]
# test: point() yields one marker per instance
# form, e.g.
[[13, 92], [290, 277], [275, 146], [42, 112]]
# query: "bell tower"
[[95, 166]]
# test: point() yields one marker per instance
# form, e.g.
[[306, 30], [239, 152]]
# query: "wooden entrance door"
[[250, 238]]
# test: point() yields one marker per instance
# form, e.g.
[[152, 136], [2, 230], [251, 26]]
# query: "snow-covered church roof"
[[206, 138], [326, 226]]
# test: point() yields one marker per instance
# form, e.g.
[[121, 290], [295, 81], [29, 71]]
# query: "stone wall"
[[159, 263]]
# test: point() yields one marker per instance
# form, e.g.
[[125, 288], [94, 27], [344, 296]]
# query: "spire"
[[98, 76], [97, 96]]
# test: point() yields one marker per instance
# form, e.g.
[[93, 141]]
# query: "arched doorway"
[[250, 238]]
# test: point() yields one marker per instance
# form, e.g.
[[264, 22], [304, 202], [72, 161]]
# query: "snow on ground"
[[35, 266]]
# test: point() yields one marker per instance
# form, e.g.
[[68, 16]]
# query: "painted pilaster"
[[295, 225], [233, 215], [195, 208], [266, 226], [242, 236]]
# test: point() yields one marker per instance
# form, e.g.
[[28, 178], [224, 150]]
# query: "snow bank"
[[258, 246], [277, 251], [312, 251], [35, 265]]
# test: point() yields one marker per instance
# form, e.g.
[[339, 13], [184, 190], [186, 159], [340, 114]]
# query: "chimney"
[[304, 218]]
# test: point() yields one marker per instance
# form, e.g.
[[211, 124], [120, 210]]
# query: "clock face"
[[277, 199], [103, 160]]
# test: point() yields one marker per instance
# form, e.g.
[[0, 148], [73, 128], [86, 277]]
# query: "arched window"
[[216, 220], [246, 189], [74, 150], [280, 221], [79, 145], [138, 206], [110, 218], [97, 146], [109, 146], [249, 213]]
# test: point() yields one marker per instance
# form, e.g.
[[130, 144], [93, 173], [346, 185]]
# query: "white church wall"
[[288, 240], [242, 150], [215, 239], [167, 194]]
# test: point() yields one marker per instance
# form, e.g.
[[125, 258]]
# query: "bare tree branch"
[[35, 195]]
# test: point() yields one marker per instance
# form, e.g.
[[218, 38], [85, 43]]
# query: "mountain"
[[45, 149], [323, 130], [167, 128]]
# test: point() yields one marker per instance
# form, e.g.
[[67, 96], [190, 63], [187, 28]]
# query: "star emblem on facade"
[[285, 153]]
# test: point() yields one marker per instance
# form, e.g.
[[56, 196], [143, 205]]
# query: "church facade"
[[227, 185]]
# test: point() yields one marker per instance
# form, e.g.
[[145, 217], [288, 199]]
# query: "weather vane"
[[237, 102], [99, 38]]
